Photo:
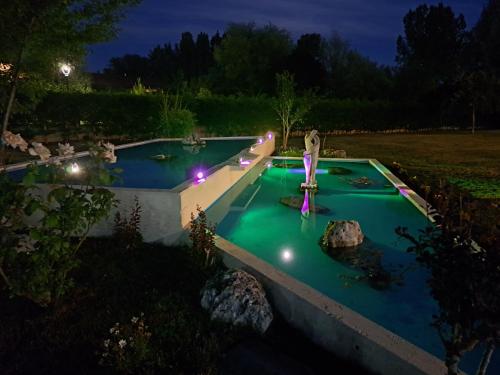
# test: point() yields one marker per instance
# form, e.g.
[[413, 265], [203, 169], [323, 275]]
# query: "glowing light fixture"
[[65, 69], [269, 164], [260, 140], [74, 168], [269, 135], [286, 255], [244, 162], [199, 177]]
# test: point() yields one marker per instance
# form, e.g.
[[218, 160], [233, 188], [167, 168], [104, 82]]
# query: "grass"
[[469, 161]]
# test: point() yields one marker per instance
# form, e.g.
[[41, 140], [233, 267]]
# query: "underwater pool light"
[[287, 255]]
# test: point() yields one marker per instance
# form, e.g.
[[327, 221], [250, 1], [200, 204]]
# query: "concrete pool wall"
[[328, 323], [166, 213]]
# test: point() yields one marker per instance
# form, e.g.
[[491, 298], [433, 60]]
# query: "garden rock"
[[343, 233], [340, 154], [236, 297]]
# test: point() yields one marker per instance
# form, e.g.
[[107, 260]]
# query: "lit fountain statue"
[[311, 155]]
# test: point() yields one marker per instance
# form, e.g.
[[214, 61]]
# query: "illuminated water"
[[140, 171], [281, 236]]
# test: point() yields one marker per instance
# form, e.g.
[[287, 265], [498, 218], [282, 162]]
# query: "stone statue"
[[311, 155]]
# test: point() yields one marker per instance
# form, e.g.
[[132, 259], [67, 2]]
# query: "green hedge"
[[140, 115]]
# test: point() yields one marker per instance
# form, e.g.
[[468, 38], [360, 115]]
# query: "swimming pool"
[[141, 170], [281, 236]]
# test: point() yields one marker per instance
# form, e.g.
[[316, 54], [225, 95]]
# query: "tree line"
[[442, 66]]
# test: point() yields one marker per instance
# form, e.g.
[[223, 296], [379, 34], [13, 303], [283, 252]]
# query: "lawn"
[[470, 161]]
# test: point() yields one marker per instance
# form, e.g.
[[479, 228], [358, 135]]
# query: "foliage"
[[44, 227], [138, 88], [352, 75], [128, 348], [291, 111], [136, 116], [202, 236], [249, 57], [127, 230], [110, 286], [464, 277], [175, 119], [36, 36]]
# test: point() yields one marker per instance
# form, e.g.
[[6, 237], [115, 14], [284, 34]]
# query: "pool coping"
[[401, 356]]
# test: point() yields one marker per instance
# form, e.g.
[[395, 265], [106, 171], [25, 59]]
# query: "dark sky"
[[371, 26]]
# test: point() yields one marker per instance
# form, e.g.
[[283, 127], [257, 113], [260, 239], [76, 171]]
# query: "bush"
[[153, 115]]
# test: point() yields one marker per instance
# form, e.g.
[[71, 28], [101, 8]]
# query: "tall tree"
[[428, 55], [36, 35], [250, 56], [351, 75], [305, 62], [187, 55], [204, 56]]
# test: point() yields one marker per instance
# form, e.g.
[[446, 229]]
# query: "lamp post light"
[[66, 70]]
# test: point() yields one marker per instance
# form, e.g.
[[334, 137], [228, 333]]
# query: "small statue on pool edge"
[[311, 155]]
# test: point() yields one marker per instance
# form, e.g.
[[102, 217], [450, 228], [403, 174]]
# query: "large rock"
[[236, 297], [343, 233]]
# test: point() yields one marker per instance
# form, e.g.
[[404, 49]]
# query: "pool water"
[[141, 171], [283, 237]]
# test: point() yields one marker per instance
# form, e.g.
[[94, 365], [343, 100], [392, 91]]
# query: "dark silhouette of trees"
[[429, 56], [249, 57], [305, 62]]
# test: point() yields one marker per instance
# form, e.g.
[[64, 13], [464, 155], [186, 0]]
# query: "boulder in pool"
[[236, 297], [343, 233], [297, 202]]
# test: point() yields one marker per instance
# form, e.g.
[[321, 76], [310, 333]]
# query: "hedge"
[[139, 115]]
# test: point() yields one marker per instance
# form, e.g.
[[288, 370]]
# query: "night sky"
[[371, 26]]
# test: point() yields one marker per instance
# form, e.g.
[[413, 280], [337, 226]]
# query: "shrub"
[[128, 349], [37, 255], [127, 231], [202, 237], [175, 119]]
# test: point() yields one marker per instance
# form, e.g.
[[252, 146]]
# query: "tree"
[[305, 62], [128, 67], [36, 35], [186, 51], [290, 109], [204, 55], [486, 38], [351, 75], [429, 53], [249, 57]]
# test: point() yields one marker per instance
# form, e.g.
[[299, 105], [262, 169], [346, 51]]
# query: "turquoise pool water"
[[281, 236], [140, 171]]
